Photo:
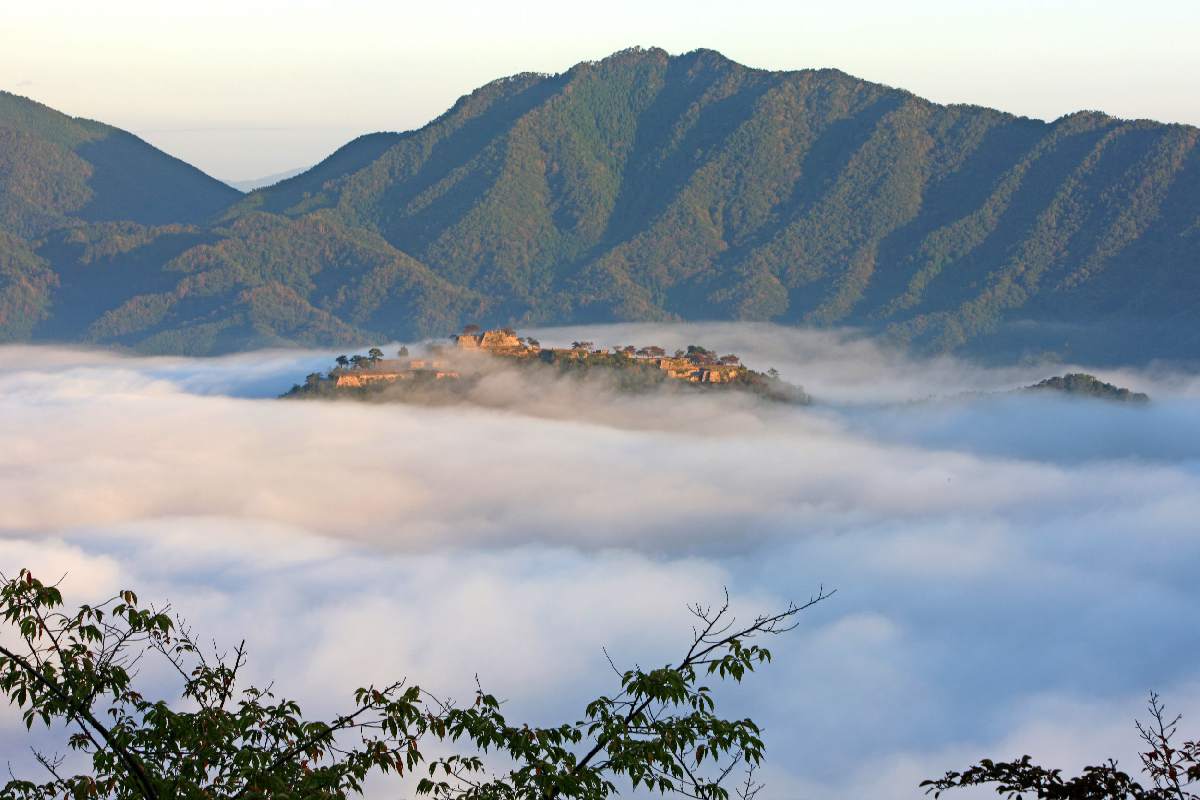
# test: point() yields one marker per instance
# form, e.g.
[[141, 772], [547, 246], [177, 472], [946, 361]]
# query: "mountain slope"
[[648, 186], [56, 170], [655, 187]]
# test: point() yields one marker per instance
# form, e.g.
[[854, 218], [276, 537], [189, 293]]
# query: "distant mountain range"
[[641, 187], [266, 180]]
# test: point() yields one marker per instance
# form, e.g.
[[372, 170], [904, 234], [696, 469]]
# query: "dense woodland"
[[640, 187]]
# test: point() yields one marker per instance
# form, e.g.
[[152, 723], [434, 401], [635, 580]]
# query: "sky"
[[1013, 572], [249, 88]]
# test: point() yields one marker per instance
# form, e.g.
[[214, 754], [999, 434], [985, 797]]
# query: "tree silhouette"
[[658, 730], [1173, 769]]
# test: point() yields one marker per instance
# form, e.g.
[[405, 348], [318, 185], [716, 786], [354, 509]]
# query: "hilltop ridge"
[[451, 373]]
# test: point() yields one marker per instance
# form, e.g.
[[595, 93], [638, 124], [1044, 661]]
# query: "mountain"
[[57, 171], [655, 187], [61, 174]]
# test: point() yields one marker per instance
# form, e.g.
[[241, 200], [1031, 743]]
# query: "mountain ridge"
[[647, 186]]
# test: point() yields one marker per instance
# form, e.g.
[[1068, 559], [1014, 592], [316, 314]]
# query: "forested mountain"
[[57, 171], [640, 187]]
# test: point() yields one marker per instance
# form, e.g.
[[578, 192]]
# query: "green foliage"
[[660, 730], [26, 282]]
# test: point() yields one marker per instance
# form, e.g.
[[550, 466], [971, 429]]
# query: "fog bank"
[[1013, 570]]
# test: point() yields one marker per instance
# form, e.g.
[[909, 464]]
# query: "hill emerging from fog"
[[1080, 384], [641, 187]]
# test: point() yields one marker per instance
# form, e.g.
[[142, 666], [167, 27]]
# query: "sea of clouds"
[[1013, 572]]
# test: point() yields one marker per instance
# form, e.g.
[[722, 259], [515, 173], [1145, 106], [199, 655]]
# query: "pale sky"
[[254, 87]]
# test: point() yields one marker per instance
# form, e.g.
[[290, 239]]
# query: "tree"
[[312, 380], [1172, 769], [470, 330], [402, 352], [730, 360], [374, 354], [659, 730], [357, 361], [342, 361]]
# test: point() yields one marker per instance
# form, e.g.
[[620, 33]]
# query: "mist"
[[1014, 571]]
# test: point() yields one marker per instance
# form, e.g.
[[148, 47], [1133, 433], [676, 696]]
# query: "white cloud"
[[1013, 572]]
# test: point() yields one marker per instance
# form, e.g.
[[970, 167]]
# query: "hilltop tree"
[[1173, 768], [658, 730], [342, 361], [402, 352], [374, 354], [357, 361]]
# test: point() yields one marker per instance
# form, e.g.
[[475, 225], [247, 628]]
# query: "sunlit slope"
[[652, 187]]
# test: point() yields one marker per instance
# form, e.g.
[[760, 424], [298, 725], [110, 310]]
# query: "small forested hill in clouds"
[[656, 187]]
